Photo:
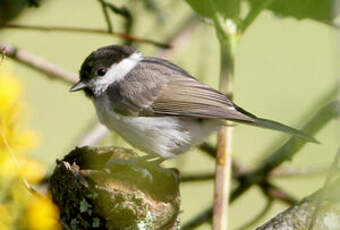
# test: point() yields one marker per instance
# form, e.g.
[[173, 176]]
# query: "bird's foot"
[[147, 160], [144, 167], [143, 161]]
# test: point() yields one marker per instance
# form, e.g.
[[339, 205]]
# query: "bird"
[[156, 106]]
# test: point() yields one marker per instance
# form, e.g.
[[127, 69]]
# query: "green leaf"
[[319, 10], [226, 8]]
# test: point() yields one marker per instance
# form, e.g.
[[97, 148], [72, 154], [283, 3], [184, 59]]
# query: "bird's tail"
[[274, 125]]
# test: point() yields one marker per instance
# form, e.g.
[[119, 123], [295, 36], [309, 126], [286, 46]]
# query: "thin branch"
[[208, 149], [237, 168], [279, 172], [296, 171], [272, 191], [124, 12], [223, 175], [86, 30], [240, 170], [199, 219], [38, 63], [106, 16], [227, 38], [197, 177]]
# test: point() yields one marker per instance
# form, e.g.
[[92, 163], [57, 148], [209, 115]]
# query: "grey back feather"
[[157, 87]]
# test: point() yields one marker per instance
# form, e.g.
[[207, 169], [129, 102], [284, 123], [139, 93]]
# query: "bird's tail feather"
[[274, 125]]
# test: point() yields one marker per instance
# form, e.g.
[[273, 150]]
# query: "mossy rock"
[[129, 195]]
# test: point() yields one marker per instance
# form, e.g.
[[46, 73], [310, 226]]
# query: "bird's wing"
[[190, 98], [152, 91], [171, 91]]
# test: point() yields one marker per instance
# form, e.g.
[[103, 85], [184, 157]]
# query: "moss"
[[126, 196]]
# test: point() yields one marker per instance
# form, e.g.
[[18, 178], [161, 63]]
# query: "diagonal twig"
[[298, 171], [124, 12], [198, 220], [106, 16], [270, 190], [38, 63]]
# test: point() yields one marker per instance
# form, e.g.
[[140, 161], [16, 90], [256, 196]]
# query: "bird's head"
[[105, 66]]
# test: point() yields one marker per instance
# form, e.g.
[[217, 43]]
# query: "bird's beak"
[[78, 86]]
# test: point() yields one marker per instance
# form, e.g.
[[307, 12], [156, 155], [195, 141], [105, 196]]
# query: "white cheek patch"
[[116, 72]]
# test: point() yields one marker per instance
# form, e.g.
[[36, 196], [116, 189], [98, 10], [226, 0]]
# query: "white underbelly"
[[165, 136]]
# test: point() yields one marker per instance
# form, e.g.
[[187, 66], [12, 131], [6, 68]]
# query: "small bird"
[[157, 106]]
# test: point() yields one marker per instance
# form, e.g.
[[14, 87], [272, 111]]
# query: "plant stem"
[[227, 39], [224, 148]]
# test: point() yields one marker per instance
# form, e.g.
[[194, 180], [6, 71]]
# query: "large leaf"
[[319, 10], [227, 8]]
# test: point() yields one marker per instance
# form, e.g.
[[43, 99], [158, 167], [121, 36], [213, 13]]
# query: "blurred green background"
[[283, 66]]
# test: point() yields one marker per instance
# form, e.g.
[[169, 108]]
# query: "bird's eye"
[[101, 72]]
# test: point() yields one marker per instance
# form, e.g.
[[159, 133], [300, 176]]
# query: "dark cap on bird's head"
[[99, 61], [104, 57]]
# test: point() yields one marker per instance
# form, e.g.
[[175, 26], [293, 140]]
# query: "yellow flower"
[[8, 169], [42, 215], [25, 140], [19, 209], [5, 219], [33, 171], [10, 88]]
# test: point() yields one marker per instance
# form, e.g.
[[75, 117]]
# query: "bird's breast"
[[166, 136]]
